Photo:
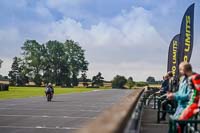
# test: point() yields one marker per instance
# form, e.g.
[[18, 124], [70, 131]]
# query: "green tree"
[[1, 62], [97, 80], [141, 84], [119, 81], [14, 71], [76, 60], [84, 79], [23, 72], [33, 57], [56, 62], [17, 76], [130, 83], [151, 79], [4, 77]]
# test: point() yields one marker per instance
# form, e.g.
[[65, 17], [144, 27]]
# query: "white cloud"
[[163, 7], [69, 8], [9, 38], [6, 66], [115, 39], [42, 11], [128, 30], [128, 44], [63, 3], [131, 29]]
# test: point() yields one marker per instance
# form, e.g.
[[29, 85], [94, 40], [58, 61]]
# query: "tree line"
[[121, 82], [54, 61], [61, 64]]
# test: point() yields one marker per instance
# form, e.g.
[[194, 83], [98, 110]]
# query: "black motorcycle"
[[49, 96]]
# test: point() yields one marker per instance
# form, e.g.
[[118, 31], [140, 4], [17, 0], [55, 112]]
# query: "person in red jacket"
[[193, 106], [194, 103]]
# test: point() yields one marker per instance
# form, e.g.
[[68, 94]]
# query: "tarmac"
[[65, 114], [149, 121]]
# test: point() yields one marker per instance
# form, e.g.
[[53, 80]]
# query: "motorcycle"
[[49, 96]]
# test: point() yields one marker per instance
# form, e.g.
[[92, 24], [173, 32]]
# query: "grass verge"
[[26, 92]]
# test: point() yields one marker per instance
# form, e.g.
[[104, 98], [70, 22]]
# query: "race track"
[[64, 114]]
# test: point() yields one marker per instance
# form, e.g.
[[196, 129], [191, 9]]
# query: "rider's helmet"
[[49, 84]]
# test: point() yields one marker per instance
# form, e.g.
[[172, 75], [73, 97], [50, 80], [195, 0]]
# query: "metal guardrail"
[[190, 126], [158, 99], [170, 110], [144, 100], [115, 119], [134, 123]]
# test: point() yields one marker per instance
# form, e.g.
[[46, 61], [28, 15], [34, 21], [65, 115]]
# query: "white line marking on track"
[[41, 127], [96, 90], [46, 116], [67, 110]]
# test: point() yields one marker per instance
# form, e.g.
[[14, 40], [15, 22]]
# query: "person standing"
[[165, 89]]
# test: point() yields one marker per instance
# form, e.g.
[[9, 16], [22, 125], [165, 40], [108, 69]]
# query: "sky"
[[124, 37]]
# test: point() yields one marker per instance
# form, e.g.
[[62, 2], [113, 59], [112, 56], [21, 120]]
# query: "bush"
[[141, 84], [150, 79], [130, 83], [119, 82], [92, 87]]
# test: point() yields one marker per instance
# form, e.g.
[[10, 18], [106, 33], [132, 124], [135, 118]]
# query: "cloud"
[[69, 8], [123, 37], [122, 40], [133, 42], [63, 3], [128, 37], [163, 7], [6, 66], [9, 38], [128, 29], [43, 11]]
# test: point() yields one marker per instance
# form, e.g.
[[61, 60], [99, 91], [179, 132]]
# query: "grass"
[[27, 92], [155, 85]]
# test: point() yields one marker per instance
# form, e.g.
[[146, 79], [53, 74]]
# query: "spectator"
[[183, 93], [194, 103], [165, 88]]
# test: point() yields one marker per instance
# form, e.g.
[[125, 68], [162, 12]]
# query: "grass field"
[[26, 92], [155, 85]]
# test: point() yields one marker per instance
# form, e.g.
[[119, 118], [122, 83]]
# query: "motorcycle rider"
[[49, 89]]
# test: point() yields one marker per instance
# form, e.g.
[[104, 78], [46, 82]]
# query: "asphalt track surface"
[[65, 114], [149, 121]]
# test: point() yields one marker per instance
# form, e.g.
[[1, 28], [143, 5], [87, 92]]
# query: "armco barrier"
[[115, 119]]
